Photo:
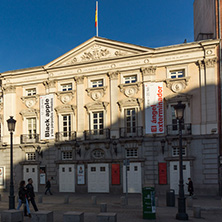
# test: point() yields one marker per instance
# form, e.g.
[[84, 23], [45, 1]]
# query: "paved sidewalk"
[[130, 213]]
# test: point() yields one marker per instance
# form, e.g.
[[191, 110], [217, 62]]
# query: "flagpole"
[[96, 20]]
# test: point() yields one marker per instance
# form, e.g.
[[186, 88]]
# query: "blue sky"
[[35, 32]]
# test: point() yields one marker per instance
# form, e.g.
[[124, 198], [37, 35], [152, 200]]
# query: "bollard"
[[39, 198], [197, 212], [189, 202], [103, 207], [123, 201], [94, 200], [66, 199]]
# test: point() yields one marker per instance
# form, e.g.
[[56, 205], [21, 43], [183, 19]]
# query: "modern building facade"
[[108, 106]]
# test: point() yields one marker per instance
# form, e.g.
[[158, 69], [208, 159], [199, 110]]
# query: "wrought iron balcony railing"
[[65, 136], [29, 138], [125, 132], [97, 134], [174, 129]]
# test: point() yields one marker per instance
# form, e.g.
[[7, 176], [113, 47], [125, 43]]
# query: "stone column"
[[80, 110], [113, 94]]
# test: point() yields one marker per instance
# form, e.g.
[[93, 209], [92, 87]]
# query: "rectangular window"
[[130, 118], [30, 92], [176, 151], [131, 153], [93, 169], [31, 128], [97, 123], [97, 83], [66, 155], [30, 156], [66, 87], [177, 74], [130, 79], [66, 123]]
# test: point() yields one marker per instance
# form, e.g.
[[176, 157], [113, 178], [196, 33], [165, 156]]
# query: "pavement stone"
[[131, 213]]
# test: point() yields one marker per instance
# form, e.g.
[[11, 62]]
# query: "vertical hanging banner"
[[46, 117], [154, 107]]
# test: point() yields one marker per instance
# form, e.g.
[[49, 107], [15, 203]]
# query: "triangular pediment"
[[98, 49]]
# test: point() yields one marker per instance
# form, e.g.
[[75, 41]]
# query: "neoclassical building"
[[107, 106]]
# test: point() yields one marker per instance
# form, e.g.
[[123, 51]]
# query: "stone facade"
[[99, 98]]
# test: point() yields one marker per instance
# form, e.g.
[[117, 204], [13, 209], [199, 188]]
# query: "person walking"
[[190, 186], [23, 198], [48, 186], [31, 194]]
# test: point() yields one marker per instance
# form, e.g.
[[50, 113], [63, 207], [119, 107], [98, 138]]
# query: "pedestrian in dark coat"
[[190, 186], [23, 197], [31, 194], [48, 186]]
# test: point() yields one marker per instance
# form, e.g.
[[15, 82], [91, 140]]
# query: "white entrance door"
[[66, 178], [175, 175], [98, 178], [134, 178], [30, 171]]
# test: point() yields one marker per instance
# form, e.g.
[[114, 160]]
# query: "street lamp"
[[181, 215], [11, 128]]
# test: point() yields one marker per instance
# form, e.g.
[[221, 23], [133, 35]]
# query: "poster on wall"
[[154, 107], [46, 117], [80, 174], [42, 176], [1, 176]]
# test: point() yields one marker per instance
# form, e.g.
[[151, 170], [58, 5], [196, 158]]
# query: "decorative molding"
[[130, 102], [65, 96], [95, 53], [65, 109], [79, 79], [1, 108], [49, 84], [9, 89], [96, 93], [147, 71], [113, 75], [29, 113], [98, 154], [210, 62], [30, 101], [96, 106], [177, 85], [200, 63], [130, 89], [179, 97]]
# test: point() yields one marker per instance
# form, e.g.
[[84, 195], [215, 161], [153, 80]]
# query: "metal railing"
[[174, 129], [125, 132], [97, 134], [29, 138], [65, 136]]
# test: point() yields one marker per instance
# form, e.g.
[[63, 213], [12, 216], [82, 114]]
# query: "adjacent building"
[[107, 106]]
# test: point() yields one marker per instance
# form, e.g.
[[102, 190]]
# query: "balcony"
[[174, 129], [29, 138], [65, 136], [127, 132], [97, 134]]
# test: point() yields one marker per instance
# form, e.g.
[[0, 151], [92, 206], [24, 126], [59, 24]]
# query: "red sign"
[[162, 173], [115, 174]]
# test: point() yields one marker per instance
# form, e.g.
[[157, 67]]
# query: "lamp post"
[[181, 215], [11, 128]]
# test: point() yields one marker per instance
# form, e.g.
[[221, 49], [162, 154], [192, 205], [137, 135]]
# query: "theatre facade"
[[102, 116]]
